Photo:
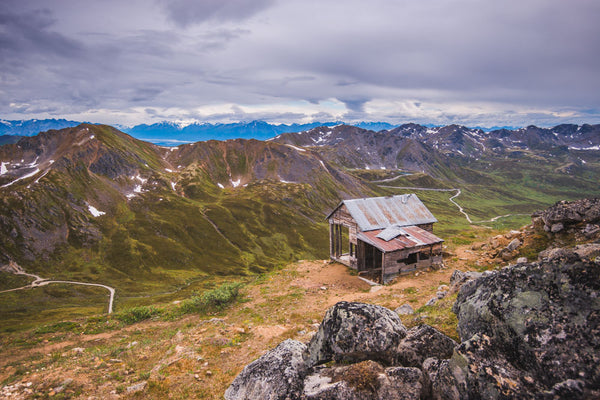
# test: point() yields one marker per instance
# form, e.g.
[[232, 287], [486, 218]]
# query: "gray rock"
[[138, 387], [529, 327], [521, 260], [459, 278], [423, 342], [362, 381], [353, 332], [277, 375], [404, 309], [590, 230], [443, 380], [514, 244], [431, 301], [529, 331], [555, 228], [572, 212], [587, 251]]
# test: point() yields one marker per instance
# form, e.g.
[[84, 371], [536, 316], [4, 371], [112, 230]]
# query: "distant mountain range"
[[172, 133]]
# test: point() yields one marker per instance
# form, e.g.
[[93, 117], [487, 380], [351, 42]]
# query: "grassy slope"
[[160, 244]]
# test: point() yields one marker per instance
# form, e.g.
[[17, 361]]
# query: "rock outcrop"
[[278, 374], [529, 331], [532, 330], [565, 214], [354, 332]]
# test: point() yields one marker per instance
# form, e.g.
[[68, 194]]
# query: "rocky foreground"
[[527, 331]]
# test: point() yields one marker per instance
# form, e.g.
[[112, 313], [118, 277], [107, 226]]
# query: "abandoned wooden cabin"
[[383, 237]]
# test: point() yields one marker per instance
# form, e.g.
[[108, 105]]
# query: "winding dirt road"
[[39, 281], [451, 199]]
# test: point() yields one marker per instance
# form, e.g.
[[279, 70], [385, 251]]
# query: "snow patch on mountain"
[[94, 211]]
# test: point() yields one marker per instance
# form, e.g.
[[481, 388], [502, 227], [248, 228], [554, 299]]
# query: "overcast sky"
[[473, 62]]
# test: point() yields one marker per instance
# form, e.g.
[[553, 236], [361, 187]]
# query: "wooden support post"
[[339, 240], [382, 267], [331, 240]]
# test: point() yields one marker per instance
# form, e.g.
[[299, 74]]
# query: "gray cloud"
[[434, 61], [187, 12]]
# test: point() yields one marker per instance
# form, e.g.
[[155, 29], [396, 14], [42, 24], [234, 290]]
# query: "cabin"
[[384, 237]]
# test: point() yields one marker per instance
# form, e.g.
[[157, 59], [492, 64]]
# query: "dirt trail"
[[451, 200], [39, 281]]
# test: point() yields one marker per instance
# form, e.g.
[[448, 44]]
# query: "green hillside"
[[180, 220]]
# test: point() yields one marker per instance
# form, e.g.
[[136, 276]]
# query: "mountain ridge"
[[91, 203], [173, 133]]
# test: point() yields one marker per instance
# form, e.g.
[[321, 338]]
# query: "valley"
[[157, 224]]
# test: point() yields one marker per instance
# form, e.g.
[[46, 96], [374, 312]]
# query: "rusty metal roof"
[[408, 237], [381, 212]]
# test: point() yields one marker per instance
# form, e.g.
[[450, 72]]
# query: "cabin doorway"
[[369, 260], [341, 249]]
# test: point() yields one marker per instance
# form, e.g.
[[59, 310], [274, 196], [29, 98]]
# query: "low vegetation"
[[211, 300]]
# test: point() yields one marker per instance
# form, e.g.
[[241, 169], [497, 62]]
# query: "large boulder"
[[423, 342], [444, 380], [365, 380], [277, 375], [532, 329], [354, 332], [568, 213]]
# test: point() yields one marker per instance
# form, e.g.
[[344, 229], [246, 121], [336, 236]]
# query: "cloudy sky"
[[472, 62]]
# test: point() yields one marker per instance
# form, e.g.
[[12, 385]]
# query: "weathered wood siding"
[[426, 227], [394, 263], [342, 218]]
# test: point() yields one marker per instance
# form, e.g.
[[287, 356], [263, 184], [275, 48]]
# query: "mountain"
[[429, 149], [91, 203], [7, 139], [169, 133], [33, 126]]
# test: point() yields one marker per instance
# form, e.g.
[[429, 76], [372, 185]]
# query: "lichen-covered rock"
[[366, 380], [459, 278], [444, 380], [423, 342], [572, 212], [530, 327], [354, 332], [404, 309], [277, 375]]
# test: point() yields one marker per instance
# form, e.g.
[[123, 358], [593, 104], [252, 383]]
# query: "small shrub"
[[363, 376], [410, 290], [65, 326], [212, 300], [137, 314]]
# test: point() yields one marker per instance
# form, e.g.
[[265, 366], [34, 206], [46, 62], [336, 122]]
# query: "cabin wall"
[[405, 261], [426, 227]]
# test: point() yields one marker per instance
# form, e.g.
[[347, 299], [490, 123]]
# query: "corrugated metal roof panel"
[[390, 232], [381, 212], [411, 236]]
